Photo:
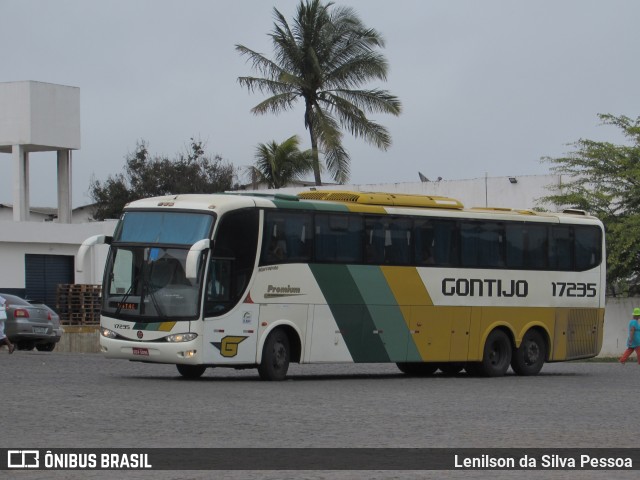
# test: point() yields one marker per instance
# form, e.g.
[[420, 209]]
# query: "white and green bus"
[[259, 281]]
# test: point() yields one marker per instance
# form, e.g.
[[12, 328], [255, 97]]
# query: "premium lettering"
[[274, 291]]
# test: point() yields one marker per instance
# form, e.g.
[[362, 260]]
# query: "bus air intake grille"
[[382, 199], [582, 333]]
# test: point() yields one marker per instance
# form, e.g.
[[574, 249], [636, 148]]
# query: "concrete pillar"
[[64, 186], [20, 183]]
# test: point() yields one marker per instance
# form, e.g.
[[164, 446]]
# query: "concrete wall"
[[474, 192], [616, 323], [80, 339], [81, 214]]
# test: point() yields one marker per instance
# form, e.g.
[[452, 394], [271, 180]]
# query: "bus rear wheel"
[[275, 357], [191, 371], [417, 369], [496, 355], [530, 356]]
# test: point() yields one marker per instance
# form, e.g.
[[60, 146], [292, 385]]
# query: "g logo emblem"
[[229, 345]]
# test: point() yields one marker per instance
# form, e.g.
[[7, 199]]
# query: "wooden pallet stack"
[[79, 304]]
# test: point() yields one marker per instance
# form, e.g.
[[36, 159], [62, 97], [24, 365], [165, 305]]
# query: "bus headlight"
[[105, 332], [181, 337]]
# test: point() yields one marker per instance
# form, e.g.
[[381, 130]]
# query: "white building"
[[38, 245]]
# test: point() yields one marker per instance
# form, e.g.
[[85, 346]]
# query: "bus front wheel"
[[275, 357], [530, 356], [191, 371], [497, 354]]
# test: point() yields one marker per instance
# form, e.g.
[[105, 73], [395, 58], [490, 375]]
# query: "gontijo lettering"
[[484, 287]]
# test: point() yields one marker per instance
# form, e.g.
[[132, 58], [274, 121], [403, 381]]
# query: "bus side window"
[[424, 242], [515, 235], [588, 244], [561, 248], [397, 251], [445, 243], [482, 244], [339, 238], [298, 238], [374, 241], [536, 247], [288, 237]]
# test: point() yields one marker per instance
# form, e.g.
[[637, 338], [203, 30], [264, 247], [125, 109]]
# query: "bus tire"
[[530, 356], [496, 356], [417, 369], [275, 357], [191, 371]]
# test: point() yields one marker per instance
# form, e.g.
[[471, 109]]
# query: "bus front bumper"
[[180, 352]]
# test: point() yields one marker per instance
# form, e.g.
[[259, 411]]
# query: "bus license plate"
[[141, 351]]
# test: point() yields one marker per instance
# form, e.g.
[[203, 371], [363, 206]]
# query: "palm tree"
[[279, 163], [324, 58]]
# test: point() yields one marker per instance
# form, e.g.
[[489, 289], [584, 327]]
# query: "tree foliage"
[[604, 179], [193, 171], [277, 164], [323, 58]]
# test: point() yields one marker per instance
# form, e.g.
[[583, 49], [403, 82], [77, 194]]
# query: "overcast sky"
[[488, 87]]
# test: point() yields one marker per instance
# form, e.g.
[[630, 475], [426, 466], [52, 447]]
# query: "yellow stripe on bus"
[[166, 326], [407, 286]]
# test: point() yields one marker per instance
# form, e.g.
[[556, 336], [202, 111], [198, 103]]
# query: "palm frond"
[[275, 104], [264, 85], [326, 128], [338, 160], [260, 63], [354, 119], [374, 101], [355, 71]]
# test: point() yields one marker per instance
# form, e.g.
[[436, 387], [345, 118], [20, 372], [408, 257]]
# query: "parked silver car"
[[31, 325]]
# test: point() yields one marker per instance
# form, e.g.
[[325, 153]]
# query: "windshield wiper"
[[124, 298], [159, 311], [126, 295]]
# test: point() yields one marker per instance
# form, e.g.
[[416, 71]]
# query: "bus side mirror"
[[86, 246], [191, 268]]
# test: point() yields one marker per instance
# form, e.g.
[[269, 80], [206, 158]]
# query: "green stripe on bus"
[[350, 312], [383, 308], [154, 326]]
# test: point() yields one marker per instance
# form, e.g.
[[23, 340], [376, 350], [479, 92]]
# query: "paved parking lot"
[[56, 400]]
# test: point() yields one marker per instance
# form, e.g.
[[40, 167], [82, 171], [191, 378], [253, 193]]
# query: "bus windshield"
[[149, 284], [174, 228], [145, 274]]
